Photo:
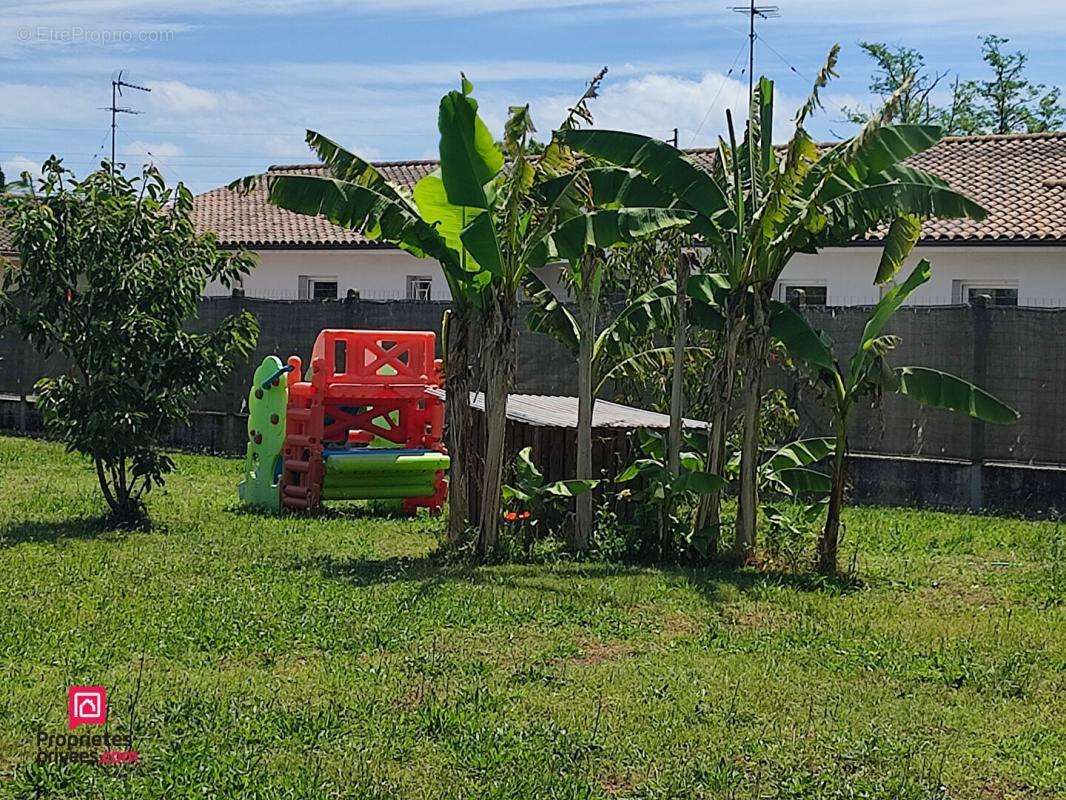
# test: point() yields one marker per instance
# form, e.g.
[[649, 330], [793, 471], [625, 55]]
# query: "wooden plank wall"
[[555, 451]]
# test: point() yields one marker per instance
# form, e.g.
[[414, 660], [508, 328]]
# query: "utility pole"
[[117, 85], [752, 11]]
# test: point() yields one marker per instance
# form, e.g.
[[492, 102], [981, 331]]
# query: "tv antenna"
[[117, 85], [752, 11]]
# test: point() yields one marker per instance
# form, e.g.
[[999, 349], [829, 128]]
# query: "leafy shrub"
[[534, 507], [110, 271]]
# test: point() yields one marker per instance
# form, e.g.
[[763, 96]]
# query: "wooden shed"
[[548, 424]]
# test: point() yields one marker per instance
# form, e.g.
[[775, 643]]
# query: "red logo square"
[[86, 705]]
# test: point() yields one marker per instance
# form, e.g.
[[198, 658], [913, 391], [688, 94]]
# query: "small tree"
[[110, 271]]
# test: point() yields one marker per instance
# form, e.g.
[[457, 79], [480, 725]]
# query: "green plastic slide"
[[267, 402]]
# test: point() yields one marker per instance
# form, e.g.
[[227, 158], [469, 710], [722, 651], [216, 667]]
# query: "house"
[[1017, 256], [310, 258]]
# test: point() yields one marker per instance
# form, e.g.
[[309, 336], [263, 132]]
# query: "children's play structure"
[[362, 424]]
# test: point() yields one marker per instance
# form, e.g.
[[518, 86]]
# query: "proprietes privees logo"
[[86, 705]]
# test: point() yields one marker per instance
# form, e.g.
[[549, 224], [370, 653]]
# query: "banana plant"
[[765, 204], [513, 228], [868, 374], [788, 471], [582, 241], [501, 225], [670, 490], [354, 194], [787, 474], [537, 502]]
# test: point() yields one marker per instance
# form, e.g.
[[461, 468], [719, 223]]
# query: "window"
[[419, 287], [318, 287], [813, 295], [1001, 293]]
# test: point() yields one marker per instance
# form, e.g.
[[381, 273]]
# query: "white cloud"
[[33, 104], [655, 104], [14, 167], [159, 150], [177, 97]]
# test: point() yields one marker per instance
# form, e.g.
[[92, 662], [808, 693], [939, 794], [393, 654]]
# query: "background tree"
[[110, 272], [1009, 101], [1006, 103], [895, 65]]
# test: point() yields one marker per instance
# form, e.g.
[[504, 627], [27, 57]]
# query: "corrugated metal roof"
[[560, 411]]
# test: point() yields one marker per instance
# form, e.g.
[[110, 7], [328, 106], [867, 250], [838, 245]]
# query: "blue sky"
[[235, 84]]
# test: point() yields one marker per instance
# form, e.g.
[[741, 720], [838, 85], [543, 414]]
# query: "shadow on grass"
[[424, 575], [372, 572], [351, 510], [706, 579], [435, 570], [41, 532]]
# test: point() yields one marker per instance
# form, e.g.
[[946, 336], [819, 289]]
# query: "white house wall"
[[377, 274], [847, 273]]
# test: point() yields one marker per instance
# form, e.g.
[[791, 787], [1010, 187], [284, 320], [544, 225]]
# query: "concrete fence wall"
[[1017, 354]]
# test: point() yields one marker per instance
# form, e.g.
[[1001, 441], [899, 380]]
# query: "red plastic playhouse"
[[363, 424]]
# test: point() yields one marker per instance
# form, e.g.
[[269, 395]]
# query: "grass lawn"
[[330, 657]]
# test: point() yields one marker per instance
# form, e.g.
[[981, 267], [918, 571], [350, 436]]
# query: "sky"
[[234, 85]]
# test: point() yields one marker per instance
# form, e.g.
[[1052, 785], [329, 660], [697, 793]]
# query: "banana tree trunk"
[[748, 500], [457, 381], [677, 393], [830, 539], [677, 379], [582, 532], [499, 368], [709, 510]]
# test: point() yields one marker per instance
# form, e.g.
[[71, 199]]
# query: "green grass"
[[330, 657]]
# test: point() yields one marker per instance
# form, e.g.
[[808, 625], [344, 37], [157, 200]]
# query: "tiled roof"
[[1019, 178], [1016, 178], [250, 220]]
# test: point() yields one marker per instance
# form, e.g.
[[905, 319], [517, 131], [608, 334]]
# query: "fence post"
[[20, 387], [979, 319]]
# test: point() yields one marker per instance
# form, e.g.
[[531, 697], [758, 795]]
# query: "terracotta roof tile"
[[250, 220], [1019, 178]]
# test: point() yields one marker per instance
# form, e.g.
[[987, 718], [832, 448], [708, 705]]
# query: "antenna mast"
[[117, 85], [752, 11]]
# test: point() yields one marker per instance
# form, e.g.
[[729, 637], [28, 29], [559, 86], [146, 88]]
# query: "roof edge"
[[942, 242], [404, 162]]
